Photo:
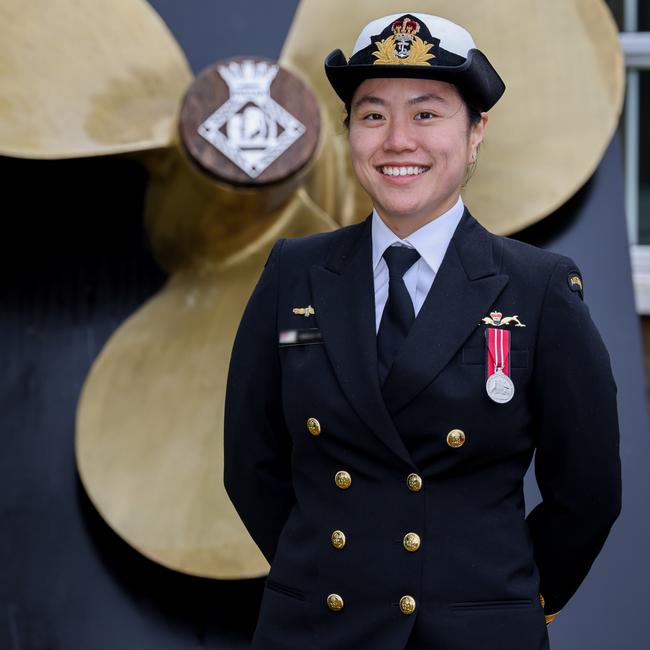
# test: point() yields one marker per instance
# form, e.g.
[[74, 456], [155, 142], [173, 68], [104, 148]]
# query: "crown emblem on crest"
[[248, 76], [496, 316]]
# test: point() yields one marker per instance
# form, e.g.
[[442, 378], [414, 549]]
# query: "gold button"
[[414, 482], [411, 542], [338, 539], [542, 602], [335, 602], [343, 480], [455, 438], [407, 605], [313, 426]]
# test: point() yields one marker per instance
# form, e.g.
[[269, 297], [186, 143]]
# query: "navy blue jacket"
[[481, 564]]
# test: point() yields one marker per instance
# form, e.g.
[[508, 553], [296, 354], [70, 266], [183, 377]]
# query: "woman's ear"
[[477, 132]]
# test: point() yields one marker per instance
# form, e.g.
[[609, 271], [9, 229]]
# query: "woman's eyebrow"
[[369, 99], [425, 98], [378, 101]]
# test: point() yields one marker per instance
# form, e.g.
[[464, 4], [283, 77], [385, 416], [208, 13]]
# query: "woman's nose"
[[399, 137]]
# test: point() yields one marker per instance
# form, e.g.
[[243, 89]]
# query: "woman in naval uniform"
[[391, 380]]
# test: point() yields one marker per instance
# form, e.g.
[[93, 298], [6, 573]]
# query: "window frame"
[[636, 48]]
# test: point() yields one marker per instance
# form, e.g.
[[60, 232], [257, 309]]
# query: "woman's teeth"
[[403, 171]]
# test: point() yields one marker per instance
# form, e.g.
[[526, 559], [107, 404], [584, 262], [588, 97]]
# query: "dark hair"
[[473, 114]]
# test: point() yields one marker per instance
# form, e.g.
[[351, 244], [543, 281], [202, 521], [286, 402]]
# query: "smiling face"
[[411, 145]]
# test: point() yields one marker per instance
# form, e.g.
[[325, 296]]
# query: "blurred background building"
[[633, 19]]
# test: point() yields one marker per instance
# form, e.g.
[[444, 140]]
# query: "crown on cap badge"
[[404, 46], [405, 28]]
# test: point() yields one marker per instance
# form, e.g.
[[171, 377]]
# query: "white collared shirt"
[[431, 241]]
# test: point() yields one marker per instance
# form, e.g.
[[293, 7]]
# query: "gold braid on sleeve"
[[548, 617]]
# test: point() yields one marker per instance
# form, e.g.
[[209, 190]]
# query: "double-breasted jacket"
[[393, 516]]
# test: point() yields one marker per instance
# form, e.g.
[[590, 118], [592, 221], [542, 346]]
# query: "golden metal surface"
[[541, 144], [193, 222], [456, 438], [414, 482], [407, 605], [82, 78], [335, 602], [338, 539], [149, 442], [87, 78], [313, 426], [343, 480], [411, 542]]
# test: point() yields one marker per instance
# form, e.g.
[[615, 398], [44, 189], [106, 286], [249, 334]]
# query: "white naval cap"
[[419, 46]]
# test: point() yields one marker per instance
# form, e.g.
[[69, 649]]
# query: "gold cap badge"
[[404, 46]]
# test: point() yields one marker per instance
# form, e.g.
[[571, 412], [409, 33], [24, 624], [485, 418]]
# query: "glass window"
[[644, 16], [635, 14], [644, 158], [616, 7]]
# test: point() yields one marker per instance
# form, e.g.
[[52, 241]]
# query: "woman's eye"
[[373, 117], [424, 115]]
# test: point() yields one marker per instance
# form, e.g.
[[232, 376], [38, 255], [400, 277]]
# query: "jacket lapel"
[[464, 289], [343, 294]]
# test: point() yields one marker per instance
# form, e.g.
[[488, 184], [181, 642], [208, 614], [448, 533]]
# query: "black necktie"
[[398, 313]]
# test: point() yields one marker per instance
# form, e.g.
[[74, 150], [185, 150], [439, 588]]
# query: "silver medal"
[[499, 387]]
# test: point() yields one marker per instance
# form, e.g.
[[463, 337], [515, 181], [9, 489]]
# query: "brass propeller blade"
[[149, 431], [563, 68], [86, 78], [149, 440]]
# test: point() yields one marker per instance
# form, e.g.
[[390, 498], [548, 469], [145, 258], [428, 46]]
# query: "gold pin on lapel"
[[496, 319], [304, 311]]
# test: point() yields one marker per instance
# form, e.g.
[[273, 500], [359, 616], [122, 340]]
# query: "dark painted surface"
[[208, 30], [75, 263], [609, 609]]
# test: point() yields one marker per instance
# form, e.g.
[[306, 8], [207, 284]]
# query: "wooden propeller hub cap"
[[247, 121]]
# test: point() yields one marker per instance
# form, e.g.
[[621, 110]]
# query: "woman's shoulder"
[[513, 256], [540, 269], [319, 247], [517, 254]]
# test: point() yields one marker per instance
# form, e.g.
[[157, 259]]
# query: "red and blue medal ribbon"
[[498, 351]]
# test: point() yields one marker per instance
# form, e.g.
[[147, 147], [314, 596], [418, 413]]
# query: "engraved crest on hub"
[[251, 129]]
